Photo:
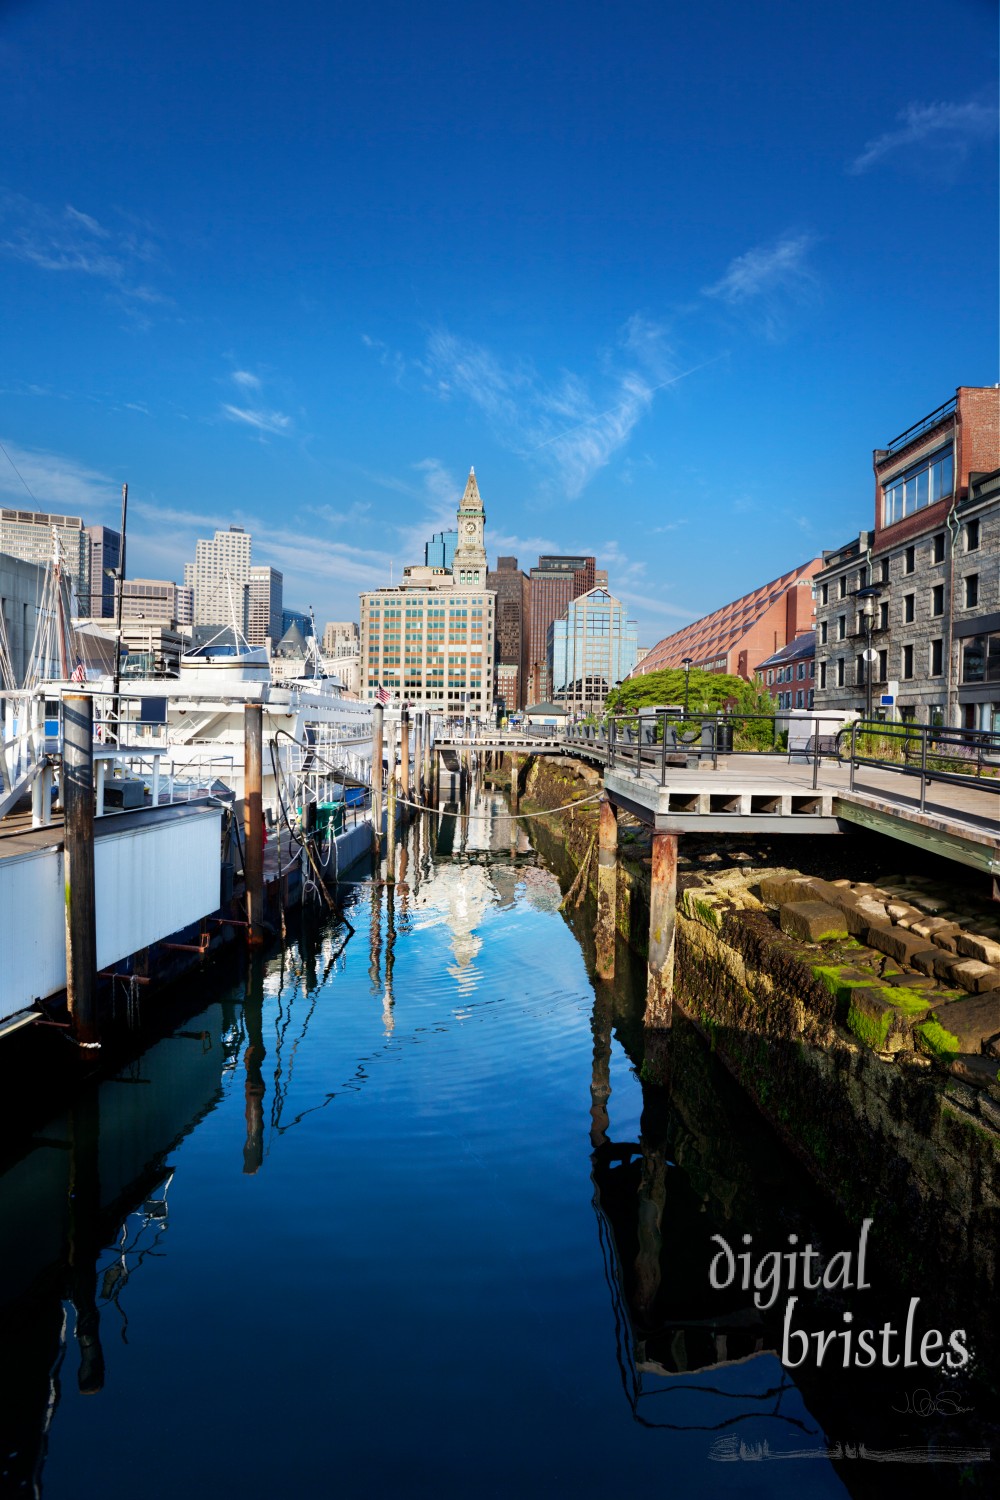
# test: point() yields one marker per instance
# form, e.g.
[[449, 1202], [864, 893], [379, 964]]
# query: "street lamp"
[[868, 596], [686, 664]]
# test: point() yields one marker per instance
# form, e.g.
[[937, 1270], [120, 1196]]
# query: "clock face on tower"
[[470, 527]]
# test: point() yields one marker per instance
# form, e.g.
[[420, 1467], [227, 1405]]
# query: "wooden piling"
[[78, 868], [418, 755], [404, 754], [378, 715], [607, 889], [428, 735], [515, 790], [662, 919], [253, 821], [390, 813]]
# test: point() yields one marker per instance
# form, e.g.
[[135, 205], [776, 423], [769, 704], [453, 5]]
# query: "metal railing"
[[653, 741], [954, 757]]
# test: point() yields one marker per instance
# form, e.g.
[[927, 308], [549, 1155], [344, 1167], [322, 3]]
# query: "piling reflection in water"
[[444, 1133]]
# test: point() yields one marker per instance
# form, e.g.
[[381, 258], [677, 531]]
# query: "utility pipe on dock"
[[78, 867], [253, 821]]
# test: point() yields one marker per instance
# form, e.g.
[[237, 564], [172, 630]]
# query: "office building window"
[[859, 670], [842, 587], [883, 666], [841, 627], [841, 674], [907, 662], [972, 537], [884, 570], [822, 674], [823, 632], [909, 606], [937, 658], [937, 599], [938, 545], [883, 615], [825, 594], [971, 590]]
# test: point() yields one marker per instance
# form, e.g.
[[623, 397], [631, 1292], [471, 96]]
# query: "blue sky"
[[665, 274]]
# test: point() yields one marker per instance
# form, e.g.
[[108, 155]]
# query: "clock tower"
[[469, 565]]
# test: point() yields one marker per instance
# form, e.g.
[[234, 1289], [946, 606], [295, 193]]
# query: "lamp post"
[[868, 596], [686, 664]]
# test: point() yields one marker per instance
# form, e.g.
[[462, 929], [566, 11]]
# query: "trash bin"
[[724, 739]]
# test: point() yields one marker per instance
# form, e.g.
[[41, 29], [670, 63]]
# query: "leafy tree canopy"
[[708, 692]]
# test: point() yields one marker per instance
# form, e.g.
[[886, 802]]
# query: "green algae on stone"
[[937, 1041]]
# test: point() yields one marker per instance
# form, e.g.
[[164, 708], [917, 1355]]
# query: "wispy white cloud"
[[275, 422], [74, 242], [265, 421], [570, 426], [654, 606], [766, 283], [943, 133], [56, 483], [764, 270]]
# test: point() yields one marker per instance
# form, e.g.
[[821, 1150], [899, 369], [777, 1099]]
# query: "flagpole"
[[116, 705]]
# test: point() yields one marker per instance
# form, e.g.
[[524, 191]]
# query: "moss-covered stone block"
[[877, 1022], [973, 1022], [937, 1040], [813, 921]]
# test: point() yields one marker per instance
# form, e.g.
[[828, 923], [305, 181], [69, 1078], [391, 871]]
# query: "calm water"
[[373, 1224]]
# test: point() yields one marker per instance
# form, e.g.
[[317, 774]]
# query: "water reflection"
[[451, 1170]]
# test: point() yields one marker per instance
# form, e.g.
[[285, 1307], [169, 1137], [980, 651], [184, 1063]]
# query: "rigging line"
[[18, 473]]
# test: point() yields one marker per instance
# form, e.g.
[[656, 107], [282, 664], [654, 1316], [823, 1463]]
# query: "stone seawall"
[[831, 1010]]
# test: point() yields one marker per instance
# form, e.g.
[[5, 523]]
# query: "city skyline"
[[661, 284]]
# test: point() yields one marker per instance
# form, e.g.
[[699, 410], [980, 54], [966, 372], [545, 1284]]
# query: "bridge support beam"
[[662, 921], [607, 889]]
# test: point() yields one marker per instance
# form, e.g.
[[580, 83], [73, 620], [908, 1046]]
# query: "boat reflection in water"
[[347, 1213]]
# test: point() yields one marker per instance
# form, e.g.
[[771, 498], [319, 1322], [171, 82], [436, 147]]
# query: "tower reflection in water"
[[86, 1208]]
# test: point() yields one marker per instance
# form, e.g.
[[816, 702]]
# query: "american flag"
[[383, 695], [79, 672]]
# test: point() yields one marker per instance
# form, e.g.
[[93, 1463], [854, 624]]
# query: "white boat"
[[192, 725]]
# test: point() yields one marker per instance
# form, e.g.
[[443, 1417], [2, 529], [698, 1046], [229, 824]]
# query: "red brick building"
[[737, 636]]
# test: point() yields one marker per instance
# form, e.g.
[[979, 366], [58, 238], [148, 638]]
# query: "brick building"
[[926, 577], [513, 604], [789, 675], [555, 581], [735, 637]]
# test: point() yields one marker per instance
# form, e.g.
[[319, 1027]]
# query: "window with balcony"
[[924, 482], [937, 658], [937, 599], [938, 547], [907, 663], [909, 608], [971, 582]]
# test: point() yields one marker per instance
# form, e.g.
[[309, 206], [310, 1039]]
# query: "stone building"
[[924, 580], [429, 641]]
